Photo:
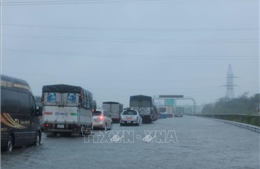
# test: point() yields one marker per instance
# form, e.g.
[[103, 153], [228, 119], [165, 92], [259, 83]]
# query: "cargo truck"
[[114, 109], [169, 111], [67, 110], [144, 105], [179, 112]]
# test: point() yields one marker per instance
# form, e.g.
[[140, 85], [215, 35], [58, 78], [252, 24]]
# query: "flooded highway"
[[183, 143]]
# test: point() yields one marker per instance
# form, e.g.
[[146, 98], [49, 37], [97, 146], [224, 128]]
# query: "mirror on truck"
[[38, 111]]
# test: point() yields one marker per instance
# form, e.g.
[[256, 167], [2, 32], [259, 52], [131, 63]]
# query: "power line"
[[123, 56], [133, 40], [60, 2], [40, 75], [70, 2], [147, 29]]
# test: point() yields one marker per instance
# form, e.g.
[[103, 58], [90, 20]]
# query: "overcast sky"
[[119, 48]]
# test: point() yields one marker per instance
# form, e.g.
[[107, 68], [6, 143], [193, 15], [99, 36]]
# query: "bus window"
[[25, 107]]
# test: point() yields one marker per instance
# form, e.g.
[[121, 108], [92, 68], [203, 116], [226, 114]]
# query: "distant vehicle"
[[38, 100], [144, 105], [162, 109], [169, 111], [163, 115], [20, 123], [130, 117], [101, 120], [67, 110], [156, 114], [179, 112], [114, 109], [94, 105]]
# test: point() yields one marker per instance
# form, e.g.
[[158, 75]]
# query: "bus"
[[20, 124]]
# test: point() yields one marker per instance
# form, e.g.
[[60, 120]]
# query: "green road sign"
[[169, 102]]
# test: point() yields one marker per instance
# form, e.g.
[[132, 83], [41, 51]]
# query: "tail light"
[[47, 125], [101, 117]]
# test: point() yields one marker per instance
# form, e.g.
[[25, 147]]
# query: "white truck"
[[179, 112], [144, 105], [114, 109], [169, 111], [67, 110]]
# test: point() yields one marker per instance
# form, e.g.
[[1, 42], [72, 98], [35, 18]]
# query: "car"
[[130, 117], [101, 120]]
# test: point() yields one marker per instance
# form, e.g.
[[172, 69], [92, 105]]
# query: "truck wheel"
[[150, 120], [81, 132], [90, 130], [37, 141]]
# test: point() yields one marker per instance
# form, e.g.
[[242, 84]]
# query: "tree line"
[[240, 105]]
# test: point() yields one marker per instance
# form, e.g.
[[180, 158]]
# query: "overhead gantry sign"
[[179, 97]]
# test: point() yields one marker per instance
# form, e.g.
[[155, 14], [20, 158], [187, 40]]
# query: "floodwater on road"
[[182, 143]]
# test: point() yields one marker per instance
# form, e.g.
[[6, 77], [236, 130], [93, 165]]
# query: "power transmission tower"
[[230, 83]]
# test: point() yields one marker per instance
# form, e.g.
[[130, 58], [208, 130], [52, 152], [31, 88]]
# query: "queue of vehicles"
[[62, 109]]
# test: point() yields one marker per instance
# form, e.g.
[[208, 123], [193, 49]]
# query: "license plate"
[[128, 121], [129, 118], [60, 126]]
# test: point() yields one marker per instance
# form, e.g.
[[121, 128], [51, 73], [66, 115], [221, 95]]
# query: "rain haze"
[[119, 48]]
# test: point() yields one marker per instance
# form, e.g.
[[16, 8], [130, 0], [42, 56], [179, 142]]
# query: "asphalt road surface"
[[181, 143]]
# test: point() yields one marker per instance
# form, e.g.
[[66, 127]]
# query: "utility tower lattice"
[[230, 83]]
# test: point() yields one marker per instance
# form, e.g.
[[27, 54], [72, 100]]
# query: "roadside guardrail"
[[251, 122]]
